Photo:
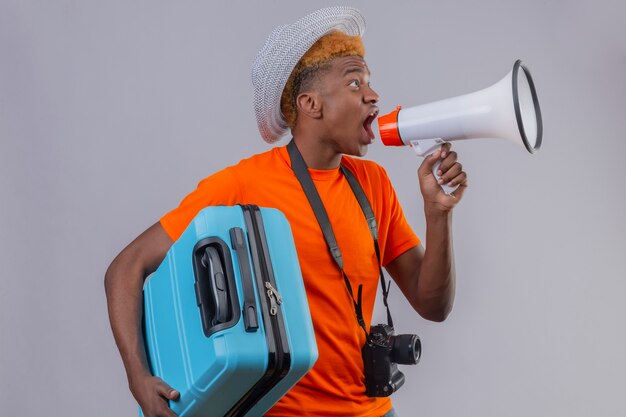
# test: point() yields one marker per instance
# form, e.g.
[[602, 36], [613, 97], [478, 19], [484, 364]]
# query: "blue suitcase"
[[226, 318]]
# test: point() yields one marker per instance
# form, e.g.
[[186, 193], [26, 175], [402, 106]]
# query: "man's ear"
[[309, 104]]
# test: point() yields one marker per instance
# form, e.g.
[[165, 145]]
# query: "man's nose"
[[371, 96]]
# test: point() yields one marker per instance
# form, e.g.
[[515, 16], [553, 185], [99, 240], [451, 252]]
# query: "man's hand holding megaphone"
[[450, 172]]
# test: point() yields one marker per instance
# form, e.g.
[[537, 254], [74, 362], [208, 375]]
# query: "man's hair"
[[313, 64]]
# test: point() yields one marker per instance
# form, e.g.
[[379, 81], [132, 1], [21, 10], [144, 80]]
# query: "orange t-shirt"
[[335, 386]]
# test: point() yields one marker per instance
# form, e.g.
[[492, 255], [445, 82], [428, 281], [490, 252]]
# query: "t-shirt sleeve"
[[221, 188], [399, 236]]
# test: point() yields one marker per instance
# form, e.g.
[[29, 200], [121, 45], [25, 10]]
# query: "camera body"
[[382, 352]]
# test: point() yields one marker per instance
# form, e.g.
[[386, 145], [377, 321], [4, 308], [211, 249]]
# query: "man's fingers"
[[426, 167], [451, 173], [445, 149], [153, 395], [459, 179], [164, 409], [439, 155], [167, 412], [448, 162], [159, 407], [166, 391], [458, 193]]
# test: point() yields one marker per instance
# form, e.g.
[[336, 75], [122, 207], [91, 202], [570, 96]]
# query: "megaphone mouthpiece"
[[388, 128]]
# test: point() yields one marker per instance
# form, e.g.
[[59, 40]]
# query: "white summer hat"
[[280, 54]]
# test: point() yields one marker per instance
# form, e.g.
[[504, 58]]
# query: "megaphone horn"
[[509, 109]]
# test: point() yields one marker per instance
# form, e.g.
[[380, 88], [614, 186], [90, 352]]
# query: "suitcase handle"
[[217, 286], [216, 292]]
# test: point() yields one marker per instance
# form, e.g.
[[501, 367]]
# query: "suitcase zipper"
[[274, 296], [279, 359]]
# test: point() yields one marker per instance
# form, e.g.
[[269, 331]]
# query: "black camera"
[[382, 352]]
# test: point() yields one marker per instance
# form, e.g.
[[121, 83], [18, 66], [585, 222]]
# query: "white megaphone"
[[509, 109]]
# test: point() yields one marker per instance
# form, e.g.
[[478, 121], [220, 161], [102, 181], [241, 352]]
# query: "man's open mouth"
[[367, 124]]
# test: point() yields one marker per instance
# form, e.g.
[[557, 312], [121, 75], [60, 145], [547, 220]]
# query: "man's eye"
[[354, 83]]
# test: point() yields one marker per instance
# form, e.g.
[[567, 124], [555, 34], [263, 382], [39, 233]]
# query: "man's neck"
[[317, 153]]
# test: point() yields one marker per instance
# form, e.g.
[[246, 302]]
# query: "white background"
[[110, 112]]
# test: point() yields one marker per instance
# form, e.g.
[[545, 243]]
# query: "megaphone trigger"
[[425, 147]]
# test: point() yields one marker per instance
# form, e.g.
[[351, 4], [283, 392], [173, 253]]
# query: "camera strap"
[[302, 174]]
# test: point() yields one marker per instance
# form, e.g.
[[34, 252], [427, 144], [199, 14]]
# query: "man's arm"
[[427, 278], [123, 283]]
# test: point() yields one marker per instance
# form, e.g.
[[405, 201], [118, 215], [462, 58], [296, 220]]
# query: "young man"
[[312, 78]]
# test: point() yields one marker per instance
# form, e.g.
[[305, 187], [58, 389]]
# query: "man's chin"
[[360, 151], [358, 147], [365, 145]]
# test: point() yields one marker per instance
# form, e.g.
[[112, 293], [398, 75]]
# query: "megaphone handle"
[[446, 188], [425, 147]]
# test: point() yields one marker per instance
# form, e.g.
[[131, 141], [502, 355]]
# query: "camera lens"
[[407, 349]]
